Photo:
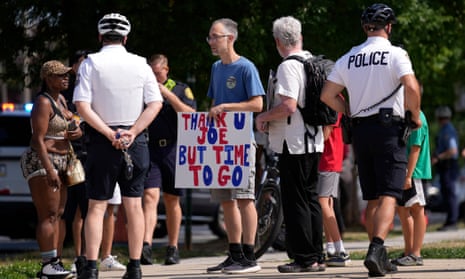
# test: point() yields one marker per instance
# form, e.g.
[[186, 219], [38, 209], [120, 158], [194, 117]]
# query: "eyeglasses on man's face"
[[215, 38]]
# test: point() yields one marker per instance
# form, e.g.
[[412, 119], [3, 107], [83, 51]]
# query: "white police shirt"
[[290, 82], [117, 84], [370, 72]]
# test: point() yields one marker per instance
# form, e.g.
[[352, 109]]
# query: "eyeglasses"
[[214, 38], [62, 75]]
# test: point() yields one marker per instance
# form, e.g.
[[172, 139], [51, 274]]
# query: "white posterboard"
[[213, 154]]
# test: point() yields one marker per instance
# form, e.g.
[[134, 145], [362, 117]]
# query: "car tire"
[[217, 226]]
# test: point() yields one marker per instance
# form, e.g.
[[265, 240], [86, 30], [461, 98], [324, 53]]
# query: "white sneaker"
[[73, 268], [54, 269], [111, 263]]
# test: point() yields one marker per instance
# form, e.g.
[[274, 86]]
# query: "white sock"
[[330, 249], [339, 246]]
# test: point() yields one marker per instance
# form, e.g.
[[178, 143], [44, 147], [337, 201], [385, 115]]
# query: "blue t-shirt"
[[447, 138], [235, 82]]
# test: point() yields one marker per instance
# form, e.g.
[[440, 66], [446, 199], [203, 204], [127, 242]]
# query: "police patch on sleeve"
[[188, 93]]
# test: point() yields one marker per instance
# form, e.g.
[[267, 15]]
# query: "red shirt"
[[332, 157]]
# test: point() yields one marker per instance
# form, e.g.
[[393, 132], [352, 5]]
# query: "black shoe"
[[80, 263], [133, 273], [243, 265], [88, 273], [146, 257], [448, 227], [375, 260], [295, 268], [172, 255], [219, 268]]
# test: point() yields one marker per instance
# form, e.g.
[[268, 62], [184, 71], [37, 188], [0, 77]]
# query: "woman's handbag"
[[75, 172]]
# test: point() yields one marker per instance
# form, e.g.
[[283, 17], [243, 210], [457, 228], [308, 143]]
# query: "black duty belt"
[[163, 142], [375, 118]]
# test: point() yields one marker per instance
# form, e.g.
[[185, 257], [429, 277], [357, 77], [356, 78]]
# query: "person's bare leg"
[[369, 215], [329, 220], [383, 217], [248, 217], [135, 225], [419, 228], [77, 228], [406, 222], [150, 204], [173, 217], [108, 231], [232, 221], [94, 228]]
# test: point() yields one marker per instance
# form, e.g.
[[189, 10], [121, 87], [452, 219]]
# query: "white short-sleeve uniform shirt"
[[370, 72], [290, 82], [117, 84]]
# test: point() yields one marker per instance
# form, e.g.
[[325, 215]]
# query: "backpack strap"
[[308, 134]]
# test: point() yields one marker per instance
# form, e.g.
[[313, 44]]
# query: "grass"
[[26, 265]]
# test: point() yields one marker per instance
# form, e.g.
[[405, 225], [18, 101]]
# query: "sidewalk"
[[432, 269]]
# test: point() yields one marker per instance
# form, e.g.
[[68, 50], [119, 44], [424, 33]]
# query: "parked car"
[[17, 212], [16, 209], [203, 211]]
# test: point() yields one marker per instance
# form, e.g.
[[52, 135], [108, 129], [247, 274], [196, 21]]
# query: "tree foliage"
[[35, 31]]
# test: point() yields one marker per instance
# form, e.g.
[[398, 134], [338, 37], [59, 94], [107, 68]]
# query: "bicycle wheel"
[[270, 217]]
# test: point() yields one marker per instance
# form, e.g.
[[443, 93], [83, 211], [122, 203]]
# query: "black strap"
[[56, 110], [380, 102]]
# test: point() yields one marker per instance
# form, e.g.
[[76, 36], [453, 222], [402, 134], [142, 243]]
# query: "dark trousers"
[[448, 173], [302, 211]]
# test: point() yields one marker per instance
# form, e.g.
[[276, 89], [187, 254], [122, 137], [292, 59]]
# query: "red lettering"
[[195, 172], [203, 135], [220, 120], [223, 179], [186, 118], [222, 135], [218, 149], [239, 155]]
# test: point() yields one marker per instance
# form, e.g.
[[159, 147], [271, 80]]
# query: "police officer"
[[371, 72], [117, 95], [177, 97]]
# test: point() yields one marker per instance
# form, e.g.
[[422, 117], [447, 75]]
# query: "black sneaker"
[[374, 260], [295, 268], [172, 255], [88, 273], [244, 265], [219, 268], [133, 273], [80, 262], [146, 257]]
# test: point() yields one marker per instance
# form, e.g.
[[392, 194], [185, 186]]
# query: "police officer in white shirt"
[[118, 96], [371, 72]]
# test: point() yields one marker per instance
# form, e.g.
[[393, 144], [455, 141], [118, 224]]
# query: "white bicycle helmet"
[[115, 24]]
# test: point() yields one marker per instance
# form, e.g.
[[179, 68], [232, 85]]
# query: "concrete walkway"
[[432, 268]]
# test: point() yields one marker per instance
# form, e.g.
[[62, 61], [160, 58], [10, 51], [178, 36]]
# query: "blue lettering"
[[236, 176], [239, 120], [207, 175], [212, 135], [182, 154], [229, 155]]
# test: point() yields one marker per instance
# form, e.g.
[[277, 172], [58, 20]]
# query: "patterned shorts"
[[32, 166]]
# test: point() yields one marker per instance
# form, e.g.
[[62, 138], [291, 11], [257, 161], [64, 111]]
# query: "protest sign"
[[213, 153]]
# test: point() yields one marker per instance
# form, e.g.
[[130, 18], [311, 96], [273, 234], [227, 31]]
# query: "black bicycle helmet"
[[114, 24], [378, 15]]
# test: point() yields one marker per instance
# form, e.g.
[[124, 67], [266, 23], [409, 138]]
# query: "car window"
[[15, 130]]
